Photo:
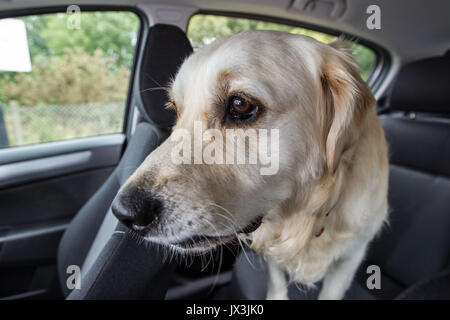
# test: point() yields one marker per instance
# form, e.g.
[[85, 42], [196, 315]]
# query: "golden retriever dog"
[[315, 213]]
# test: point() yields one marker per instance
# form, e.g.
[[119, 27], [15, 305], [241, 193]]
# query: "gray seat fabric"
[[126, 270], [110, 267], [435, 287], [415, 246], [114, 264]]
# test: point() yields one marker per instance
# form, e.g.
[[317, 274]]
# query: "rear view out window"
[[204, 29], [76, 80]]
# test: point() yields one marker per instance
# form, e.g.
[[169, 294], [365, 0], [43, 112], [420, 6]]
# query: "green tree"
[[75, 77], [115, 33]]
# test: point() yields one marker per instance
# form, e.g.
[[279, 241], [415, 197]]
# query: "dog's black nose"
[[136, 209]]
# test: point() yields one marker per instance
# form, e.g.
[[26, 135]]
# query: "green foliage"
[[115, 33], [75, 77], [365, 58], [90, 64], [204, 29]]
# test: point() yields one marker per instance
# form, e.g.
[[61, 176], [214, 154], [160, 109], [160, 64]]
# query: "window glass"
[[204, 29], [76, 81]]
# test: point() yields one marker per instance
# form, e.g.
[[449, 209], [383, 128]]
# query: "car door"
[[64, 95]]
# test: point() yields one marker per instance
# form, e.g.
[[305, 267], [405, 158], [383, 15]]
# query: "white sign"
[[14, 53]]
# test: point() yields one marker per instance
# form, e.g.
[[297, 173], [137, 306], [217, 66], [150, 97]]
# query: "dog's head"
[[261, 115]]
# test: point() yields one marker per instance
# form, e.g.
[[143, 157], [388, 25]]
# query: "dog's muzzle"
[[141, 211]]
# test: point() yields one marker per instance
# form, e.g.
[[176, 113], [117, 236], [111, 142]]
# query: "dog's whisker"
[[234, 223], [153, 79], [235, 232], [245, 254], [225, 210], [219, 268], [210, 256], [155, 89]]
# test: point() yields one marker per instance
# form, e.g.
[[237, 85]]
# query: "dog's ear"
[[347, 100]]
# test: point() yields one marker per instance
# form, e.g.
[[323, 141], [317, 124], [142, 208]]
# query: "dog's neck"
[[300, 217]]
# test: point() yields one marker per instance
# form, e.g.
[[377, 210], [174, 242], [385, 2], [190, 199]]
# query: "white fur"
[[333, 159]]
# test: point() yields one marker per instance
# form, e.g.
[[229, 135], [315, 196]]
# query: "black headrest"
[[166, 48], [423, 86]]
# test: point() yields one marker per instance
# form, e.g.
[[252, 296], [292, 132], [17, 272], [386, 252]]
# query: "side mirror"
[[14, 52]]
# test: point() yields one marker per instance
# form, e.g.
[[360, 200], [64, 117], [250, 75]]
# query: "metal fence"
[[37, 124]]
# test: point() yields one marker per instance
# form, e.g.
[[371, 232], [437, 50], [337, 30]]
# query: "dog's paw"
[[277, 296], [324, 295]]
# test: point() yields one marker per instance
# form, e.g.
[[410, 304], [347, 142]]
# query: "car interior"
[[56, 189]]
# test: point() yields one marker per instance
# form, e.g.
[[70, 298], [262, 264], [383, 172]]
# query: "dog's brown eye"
[[240, 109]]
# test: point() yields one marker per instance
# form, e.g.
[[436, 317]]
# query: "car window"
[[69, 79], [204, 29]]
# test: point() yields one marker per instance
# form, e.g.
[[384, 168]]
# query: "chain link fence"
[[45, 123]]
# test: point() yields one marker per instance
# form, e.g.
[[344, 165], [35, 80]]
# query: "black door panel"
[[54, 198], [33, 244], [41, 188]]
